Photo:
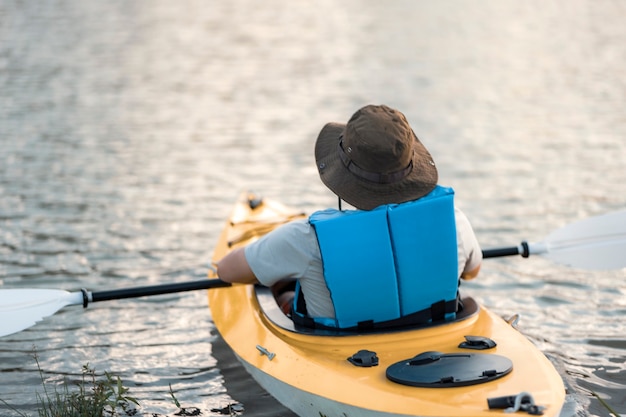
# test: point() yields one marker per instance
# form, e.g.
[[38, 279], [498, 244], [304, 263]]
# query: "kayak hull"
[[306, 404], [309, 373]]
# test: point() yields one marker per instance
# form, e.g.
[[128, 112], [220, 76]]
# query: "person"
[[373, 162]]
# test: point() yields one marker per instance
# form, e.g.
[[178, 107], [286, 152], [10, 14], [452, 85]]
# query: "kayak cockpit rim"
[[270, 309]]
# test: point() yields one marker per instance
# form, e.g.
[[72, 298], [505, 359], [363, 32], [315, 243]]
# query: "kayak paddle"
[[21, 308], [594, 243]]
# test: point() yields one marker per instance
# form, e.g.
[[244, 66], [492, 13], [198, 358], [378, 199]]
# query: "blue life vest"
[[395, 264]]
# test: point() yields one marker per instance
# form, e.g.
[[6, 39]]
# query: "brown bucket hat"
[[374, 159]]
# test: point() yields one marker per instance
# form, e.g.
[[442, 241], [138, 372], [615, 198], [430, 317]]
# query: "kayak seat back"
[[468, 307]]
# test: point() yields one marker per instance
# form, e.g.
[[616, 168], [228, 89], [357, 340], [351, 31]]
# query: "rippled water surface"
[[128, 128]]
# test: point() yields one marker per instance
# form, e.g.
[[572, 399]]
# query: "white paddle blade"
[[594, 243], [22, 308]]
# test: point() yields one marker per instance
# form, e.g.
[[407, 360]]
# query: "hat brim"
[[364, 194]]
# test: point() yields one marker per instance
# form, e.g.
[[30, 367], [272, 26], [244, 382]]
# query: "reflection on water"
[[127, 129]]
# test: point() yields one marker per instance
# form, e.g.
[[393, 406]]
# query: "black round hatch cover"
[[444, 370]]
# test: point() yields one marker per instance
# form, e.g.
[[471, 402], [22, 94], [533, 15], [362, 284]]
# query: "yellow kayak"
[[476, 365]]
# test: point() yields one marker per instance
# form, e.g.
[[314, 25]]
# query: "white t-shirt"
[[291, 251]]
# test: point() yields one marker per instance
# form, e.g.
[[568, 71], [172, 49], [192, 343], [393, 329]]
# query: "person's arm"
[[234, 268], [470, 274], [470, 253]]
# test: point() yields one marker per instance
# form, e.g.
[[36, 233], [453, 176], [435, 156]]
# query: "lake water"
[[128, 129]]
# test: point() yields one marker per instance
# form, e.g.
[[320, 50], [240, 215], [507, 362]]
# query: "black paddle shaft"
[[510, 251], [206, 284], [149, 290]]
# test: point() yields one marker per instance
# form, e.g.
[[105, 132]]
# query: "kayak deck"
[[310, 373]]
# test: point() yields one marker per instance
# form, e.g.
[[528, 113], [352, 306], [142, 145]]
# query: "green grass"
[[96, 395], [93, 396]]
